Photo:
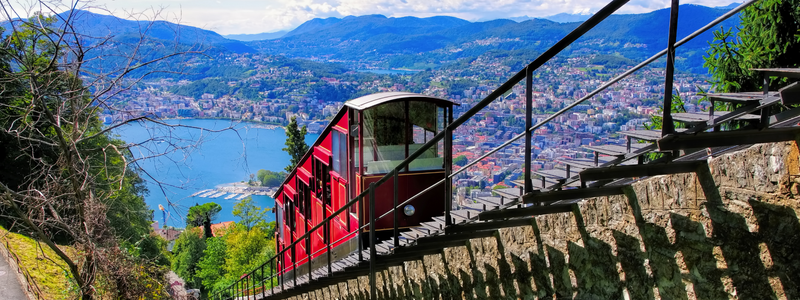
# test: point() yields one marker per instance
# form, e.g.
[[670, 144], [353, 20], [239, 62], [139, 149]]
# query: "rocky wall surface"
[[728, 231]]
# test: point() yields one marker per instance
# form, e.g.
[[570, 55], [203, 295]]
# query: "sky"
[[257, 16]]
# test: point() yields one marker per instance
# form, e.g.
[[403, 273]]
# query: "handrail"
[[610, 83], [505, 87]]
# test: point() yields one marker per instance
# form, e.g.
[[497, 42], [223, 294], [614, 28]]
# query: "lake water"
[[221, 157], [390, 71]]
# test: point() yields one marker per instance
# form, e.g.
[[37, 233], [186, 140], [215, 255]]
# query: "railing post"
[[294, 266], [668, 126], [360, 224], [263, 282], [308, 254], [271, 272], [372, 253], [448, 169], [394, 212], [528, 125], [328, 237]]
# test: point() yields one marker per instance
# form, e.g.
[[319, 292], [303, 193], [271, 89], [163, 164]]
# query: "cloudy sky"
[[256, 16]]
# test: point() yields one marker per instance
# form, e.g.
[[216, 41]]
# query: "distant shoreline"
[[262, 125]]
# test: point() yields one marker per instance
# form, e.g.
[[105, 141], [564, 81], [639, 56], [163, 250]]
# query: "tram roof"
[[371, 100]]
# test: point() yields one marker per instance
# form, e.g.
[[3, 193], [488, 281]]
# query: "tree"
[[249, 214], [295, 143], [187, 251], [768, 37], [269, 178], [460, 160], [247, 249], [64, 178], [203, 215], [212, 264], [225, 259]]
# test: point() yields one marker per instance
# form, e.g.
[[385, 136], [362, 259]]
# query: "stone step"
[[616, 150]]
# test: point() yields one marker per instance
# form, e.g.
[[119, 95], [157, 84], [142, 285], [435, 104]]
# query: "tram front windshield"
[[393, 131]]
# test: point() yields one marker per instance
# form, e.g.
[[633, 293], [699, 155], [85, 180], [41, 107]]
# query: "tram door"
[[338, 181], [322, 203]]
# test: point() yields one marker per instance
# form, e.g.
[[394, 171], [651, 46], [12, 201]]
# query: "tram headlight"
[[409, 210]]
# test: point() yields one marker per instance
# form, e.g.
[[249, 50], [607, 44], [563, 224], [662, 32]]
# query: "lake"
[[390, 71], [220, 158]]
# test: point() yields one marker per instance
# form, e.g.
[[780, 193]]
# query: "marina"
[[200, 192], [235, 191], [206, 194]]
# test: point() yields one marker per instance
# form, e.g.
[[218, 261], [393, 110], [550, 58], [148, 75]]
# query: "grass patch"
[[49, 272]]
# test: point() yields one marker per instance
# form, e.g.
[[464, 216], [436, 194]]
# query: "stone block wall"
[[729, 230]]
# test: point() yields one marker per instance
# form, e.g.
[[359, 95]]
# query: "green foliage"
[[460, 160], [211, 265], [52, 141], [270, 178], [657, 121], [334, 93], [247, 249], [203, 215], [249, 213], [295, 143], [240, 251], [151, 247], [187, 252], [768, 37], [612, 61], [460, 85]]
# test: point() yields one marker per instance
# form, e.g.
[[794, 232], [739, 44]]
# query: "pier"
[[236, 191]]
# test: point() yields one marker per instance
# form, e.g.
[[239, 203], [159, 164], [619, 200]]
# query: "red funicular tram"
[[368, 138]]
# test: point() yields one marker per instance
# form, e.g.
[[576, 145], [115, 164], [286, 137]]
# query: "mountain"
[[369, 26], [729, 6], [568, 18], [96, 27], [379, 38], [257, 36]]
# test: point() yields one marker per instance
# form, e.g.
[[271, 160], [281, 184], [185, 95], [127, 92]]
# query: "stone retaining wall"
[[730, 230]]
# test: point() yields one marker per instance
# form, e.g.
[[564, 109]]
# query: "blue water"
[[390, 71], [221, 157]]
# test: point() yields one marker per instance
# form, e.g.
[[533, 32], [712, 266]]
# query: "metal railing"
[[248, 284]]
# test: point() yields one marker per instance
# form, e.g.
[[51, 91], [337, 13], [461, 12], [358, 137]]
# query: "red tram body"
[[367, 139]]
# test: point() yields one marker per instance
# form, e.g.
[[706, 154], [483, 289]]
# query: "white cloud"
[[256, 16]]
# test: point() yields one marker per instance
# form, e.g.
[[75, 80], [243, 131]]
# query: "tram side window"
[[280, 221], [289, 212], [304, 198], [339, 145]]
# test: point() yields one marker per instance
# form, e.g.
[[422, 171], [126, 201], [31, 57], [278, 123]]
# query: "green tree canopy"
[[270, 178], [247, 250], [188, 250], [203, 215], [63, 177], [295, 143], [460, 160], [212, 265], [768, 37], [249, 213]]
